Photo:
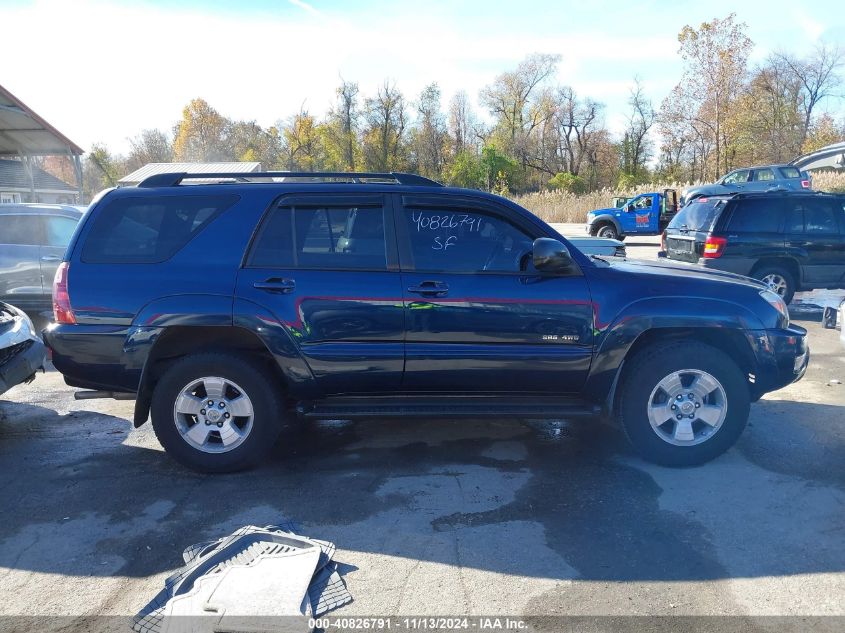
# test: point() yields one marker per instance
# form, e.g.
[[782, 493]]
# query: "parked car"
[[763, 178], [231, 309], [22, 353], [644, 214], [598, 246], [790, 241], [33, 239]]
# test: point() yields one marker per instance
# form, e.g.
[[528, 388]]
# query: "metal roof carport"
[[26, 135]]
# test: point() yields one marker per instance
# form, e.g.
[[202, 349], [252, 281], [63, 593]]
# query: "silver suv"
[[33, 239]]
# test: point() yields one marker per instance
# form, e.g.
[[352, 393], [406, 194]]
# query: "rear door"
[[754, 229], [21, 236], [325, 266], [479, 317], [814, 235], [762, 180]]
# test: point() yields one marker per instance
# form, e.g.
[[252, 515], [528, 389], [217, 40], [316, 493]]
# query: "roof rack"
[[301, 177]]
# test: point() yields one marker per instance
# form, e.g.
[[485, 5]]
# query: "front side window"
[[340, 238], [149, 229], [465, 241], [763, 175], [20, 229]]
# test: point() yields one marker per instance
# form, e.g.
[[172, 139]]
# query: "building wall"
[[44, 197]]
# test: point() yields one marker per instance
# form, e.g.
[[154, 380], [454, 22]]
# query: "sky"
[[102, 71]]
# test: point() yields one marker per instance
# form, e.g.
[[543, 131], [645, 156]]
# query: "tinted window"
[[756, 216], [329, 238], [59, 230], [454, 241], [20, 229], [790, 172], [699, 215], [763, 175], [813, 217], [147, 230]]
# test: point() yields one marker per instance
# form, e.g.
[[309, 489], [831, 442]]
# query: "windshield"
[[698, 215]]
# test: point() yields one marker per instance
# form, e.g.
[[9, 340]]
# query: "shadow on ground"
[[85, 496]]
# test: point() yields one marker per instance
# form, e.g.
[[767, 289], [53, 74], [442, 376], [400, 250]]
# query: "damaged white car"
[[21, 351]]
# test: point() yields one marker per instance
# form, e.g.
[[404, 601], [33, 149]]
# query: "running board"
[[444, 407]]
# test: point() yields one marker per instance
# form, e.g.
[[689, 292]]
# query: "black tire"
[[788, 291], [646, 370], [608, 231], [262, 391]]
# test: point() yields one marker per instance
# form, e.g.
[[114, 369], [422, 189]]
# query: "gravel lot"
[[445, 518]]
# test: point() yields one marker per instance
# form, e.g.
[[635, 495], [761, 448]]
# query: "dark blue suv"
[[241, 303]]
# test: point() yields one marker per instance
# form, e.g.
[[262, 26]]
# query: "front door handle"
[[430, 288], [51, 258], [276, 285]]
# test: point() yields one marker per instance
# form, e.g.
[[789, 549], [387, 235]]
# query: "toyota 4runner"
[[241, 303]]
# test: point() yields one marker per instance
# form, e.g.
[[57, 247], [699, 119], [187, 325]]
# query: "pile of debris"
[[256, 579]]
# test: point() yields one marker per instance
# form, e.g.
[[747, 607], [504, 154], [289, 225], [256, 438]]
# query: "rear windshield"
[[790, 172], [698, 215], [149, 230]]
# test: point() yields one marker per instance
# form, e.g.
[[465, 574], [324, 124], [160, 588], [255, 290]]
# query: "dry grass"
[[558, 206]]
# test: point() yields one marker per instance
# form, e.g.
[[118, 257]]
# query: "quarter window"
[[338, 238], [465, 242], [149, 230]]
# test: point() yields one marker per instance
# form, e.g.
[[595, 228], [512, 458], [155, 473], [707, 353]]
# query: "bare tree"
[[342, 124], [819, 77], [430, 134], [461, 121], [384, 136], [635, 144], [150, 146]]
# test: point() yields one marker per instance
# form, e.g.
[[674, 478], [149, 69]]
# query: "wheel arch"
[[601, 220], [789, 263]]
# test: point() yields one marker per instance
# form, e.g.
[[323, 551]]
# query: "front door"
[[479, 317], [326, 267], [640, 215], [21, 236], [58, 230]]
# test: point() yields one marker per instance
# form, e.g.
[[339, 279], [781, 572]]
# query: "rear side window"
[[59, 230], [20, 229], [790, 172], [149, 230], [756, 216], [814, 217], [698, 215], [339, 238], [763, 175]]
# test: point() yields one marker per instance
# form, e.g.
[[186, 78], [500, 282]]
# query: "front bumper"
[[783, 358], [22, 365]]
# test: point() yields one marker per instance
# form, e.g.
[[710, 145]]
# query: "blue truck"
[[644, 214]]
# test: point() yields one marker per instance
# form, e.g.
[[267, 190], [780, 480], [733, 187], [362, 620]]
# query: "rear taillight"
[[805, 184], [62, 312], [663, 241], [714, 247]]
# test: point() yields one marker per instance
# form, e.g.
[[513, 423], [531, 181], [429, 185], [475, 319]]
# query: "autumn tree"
[[384, 142], [202, 135], [430, 139], [462, 123], [341, 128], [302, 146]]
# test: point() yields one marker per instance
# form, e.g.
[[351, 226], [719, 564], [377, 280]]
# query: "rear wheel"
[[608, 231], [779, 280], [683, 403], [216, 412]]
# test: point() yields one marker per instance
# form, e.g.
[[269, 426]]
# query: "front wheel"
[[608, 231], [216, 412], [683, 403]]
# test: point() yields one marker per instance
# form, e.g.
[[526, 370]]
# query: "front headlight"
[[777, 302]]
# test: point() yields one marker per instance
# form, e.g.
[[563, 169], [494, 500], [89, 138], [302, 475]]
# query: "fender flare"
[[604, 218], [661, 313]]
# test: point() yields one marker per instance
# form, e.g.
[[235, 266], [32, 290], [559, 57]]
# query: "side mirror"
[[629, 208], [550, 255]]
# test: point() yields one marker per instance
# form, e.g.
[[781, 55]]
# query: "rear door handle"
[[51, 258], [275, 285], [430, 288]]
